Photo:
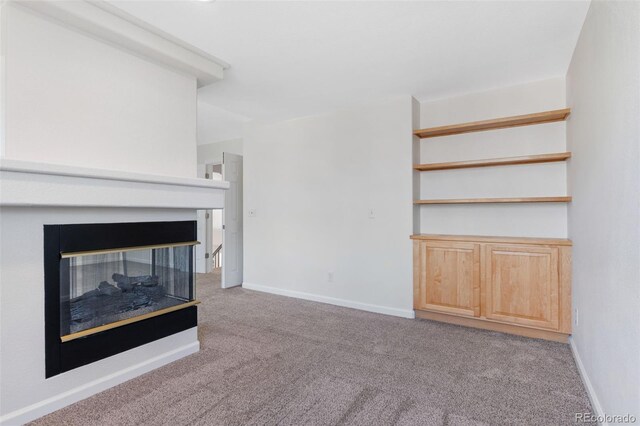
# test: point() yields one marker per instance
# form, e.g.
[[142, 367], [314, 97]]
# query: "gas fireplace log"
[[96, 307], [127, 283], [109, 289]]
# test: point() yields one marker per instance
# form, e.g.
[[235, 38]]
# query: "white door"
[[232, 221]]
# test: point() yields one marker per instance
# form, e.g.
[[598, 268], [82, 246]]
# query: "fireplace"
[[112, 287]]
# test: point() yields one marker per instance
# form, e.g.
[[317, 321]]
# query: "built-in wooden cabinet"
[[450, 280], [522, 285], [509, 284], [517, 285]]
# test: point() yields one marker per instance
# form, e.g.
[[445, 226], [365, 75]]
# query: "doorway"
[[213, 256], [224, 228]]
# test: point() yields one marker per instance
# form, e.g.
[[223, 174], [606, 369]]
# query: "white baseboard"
[[57, 402], [403, 313], [595, 402]]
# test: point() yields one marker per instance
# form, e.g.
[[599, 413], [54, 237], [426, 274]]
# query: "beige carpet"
[[268, 360]]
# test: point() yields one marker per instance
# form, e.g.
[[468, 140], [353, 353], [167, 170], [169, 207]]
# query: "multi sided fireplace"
[[112, 287]]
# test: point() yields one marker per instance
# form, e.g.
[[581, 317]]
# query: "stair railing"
[[217, 257]]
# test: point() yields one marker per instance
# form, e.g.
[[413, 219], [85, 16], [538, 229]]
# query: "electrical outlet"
[[252, 212], [330, 277], [576, 318]]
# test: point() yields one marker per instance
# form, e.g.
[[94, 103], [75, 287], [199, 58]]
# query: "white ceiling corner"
[[292, 59]]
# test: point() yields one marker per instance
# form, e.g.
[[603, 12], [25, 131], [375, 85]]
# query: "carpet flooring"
[[268, 360]]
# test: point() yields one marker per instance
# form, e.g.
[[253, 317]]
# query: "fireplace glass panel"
[[104, 288]]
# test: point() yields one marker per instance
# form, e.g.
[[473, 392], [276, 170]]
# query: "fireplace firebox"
[[112, 287]]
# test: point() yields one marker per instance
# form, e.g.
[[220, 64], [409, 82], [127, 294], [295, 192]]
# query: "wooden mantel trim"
[[486, 239]]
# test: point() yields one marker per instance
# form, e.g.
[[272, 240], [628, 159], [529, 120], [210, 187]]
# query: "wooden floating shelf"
[[497, 200], [496, 123], [507, 161]]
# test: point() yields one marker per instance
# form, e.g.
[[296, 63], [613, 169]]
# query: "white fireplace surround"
[[24, 183], [91, 88], [35, 194]]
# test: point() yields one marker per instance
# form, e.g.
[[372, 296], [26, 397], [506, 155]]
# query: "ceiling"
[[292, 58]]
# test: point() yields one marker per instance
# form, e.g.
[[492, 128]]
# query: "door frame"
[[209, 222]]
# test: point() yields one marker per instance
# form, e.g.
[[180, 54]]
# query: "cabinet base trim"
[[493, 326]]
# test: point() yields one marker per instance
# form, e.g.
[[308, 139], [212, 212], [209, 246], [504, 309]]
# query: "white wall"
[[603, 88], [534, 180], [73, 100], [216, 124], [211, 153], [312, 182]]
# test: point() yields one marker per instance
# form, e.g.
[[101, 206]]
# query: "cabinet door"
[[522, 285], [450, 277]]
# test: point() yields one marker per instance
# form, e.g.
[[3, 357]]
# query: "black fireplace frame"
[[64, 356]]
